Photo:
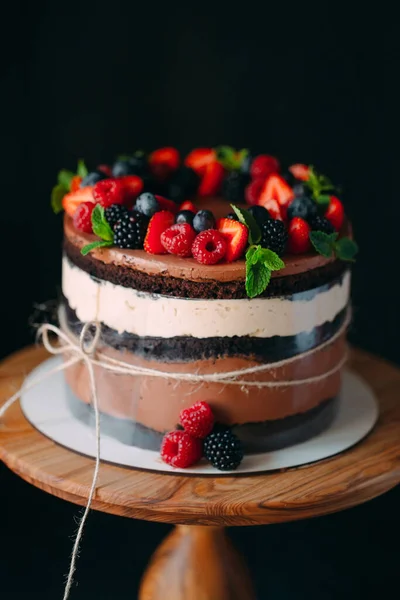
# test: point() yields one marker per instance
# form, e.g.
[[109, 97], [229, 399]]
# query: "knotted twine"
[[85, 349]]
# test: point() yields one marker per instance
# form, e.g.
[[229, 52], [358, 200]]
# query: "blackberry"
[[130, 231], [319, 223], [303, 207], [274, 236], [114, 213], [223, 449], [234, 185], [259, 213]]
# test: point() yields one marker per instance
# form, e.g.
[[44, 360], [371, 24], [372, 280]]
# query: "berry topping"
[[180, 449], [253, 191], [236, 235], [159, 222], [198, 420], [134, 165], [115, 213], [130, 231], [187, 205], [263, 166], [319, 223], [75, 183], [209, 247], [274, 236], [73, 199], [303, 207], [132, 185], [109, 191], [212, 179], [166, 204], [299, 236], [203, 220], [233, 187], [223, 449], [147, 204], [185, 216], [178, 239], [199, 158], [106, 169], [183, 183], [335, 213], [83, 217], [259, 213], [92, 178], [276, 188], [163, 161], [300, 171]]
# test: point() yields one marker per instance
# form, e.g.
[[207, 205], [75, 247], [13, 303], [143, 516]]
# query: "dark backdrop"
[[90, 79]]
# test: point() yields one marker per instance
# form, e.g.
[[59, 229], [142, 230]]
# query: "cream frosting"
[[144, 314]]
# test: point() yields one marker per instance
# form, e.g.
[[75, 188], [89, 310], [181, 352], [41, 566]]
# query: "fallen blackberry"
[[223, 449]]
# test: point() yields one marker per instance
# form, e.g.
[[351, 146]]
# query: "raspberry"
[[253, 191], [223, 449], [209, 247], [108, 192], [130, 231], [178, 239], [274, 236], [180, 449], [115, 213], [83, 217], [198, 420], [263, 165]]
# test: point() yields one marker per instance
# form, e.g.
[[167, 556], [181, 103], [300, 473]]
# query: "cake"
[[216, 262]]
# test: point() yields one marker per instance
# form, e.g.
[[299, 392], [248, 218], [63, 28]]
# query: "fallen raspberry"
[[198, 420], [209, 247], [178, 239], [180, 449]]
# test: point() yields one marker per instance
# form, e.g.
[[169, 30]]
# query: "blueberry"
[[259, 213], [300, 189], [203, 220], [303, 207], [185, 216], [92, 178], [246, 164], [147, 204], [232, 216]]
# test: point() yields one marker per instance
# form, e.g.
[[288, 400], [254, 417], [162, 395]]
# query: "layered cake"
[[215, 263]]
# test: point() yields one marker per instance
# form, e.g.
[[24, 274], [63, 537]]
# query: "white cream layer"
[[143, 314]]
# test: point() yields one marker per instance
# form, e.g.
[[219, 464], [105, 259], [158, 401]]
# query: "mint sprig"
[[319, 185], [102, 229], [260, 262], [63, 186], [230, 158], [328, 245], [247, 219]]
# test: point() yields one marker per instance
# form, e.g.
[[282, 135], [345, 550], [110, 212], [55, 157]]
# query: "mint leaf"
[[100, 224], [318, 184], [98, 244], [251, 254], [323, 199], [57, 194], [230, 158], [257, 279], [247, 219], [346, 249], [81, 169], [324, 243], [64, 178], [272, 260]]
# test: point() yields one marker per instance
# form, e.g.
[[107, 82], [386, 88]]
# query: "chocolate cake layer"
[[188, 348]]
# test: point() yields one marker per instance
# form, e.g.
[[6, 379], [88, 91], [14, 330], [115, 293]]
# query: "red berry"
[[188, 205], [73, 199], [163, 161], [236, 236], [253, 191], [166, 204], [299, 236], [132, 186], [198, 420], [159, 222], [263, 166], [199, 158], [75, 183], [335, 213], [83, 217], [212, 179], [300, 171], [178, 239], [109, 191], [209, 247], [276, 188], [106, 169], [180, 449]]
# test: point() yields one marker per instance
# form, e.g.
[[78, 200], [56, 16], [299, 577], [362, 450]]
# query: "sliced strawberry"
[[299, 236], [73, 199], [212, 179], [236, 235], [300, 171], [188, 205], [133, 185], [335, 213], [166, 204], [159, 223], [276, 188], [273, 208], [253, 190], [199, 158], [263, 166], [163, 161], [75, 183]]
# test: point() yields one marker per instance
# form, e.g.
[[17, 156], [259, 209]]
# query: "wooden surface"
[[357, 475]]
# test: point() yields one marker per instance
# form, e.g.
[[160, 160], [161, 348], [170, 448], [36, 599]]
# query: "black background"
[[86, 79]]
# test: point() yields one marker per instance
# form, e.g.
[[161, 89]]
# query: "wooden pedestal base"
[[196, 563]]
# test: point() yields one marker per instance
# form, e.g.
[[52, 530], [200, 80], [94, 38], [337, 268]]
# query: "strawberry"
[[199, 158], [263, 166], [166, 204], [276, 188], [188, 205], [300, 171], [75, 183], [236, 235], [335, 213], [159, 222], [212, 179], [180, 449], [163, 161], [299, 236], [106, 169], [132, 187], [198, 420], [73, 199], [178, 239], [272, 207], [253, 190]]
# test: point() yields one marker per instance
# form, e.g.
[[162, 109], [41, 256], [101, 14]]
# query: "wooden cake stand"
[[197, 561]]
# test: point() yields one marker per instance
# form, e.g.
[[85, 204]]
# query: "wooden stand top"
[[367, 470]]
